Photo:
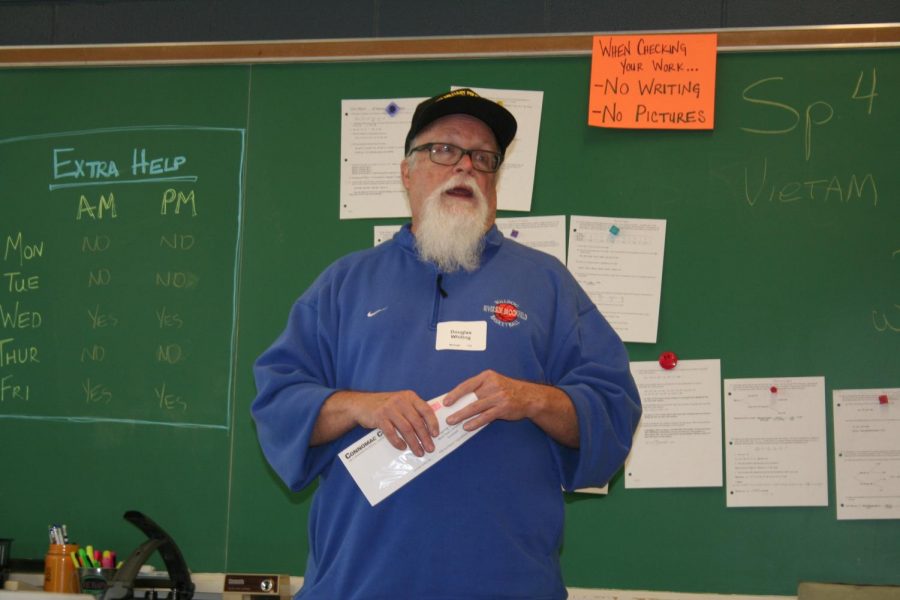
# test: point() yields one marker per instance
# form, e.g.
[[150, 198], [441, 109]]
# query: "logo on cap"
[[459, 92]]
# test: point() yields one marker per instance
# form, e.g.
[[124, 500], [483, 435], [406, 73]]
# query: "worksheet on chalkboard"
[[867, 453], [619, 263]]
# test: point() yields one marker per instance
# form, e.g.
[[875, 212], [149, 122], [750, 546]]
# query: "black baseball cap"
[[467, 102]]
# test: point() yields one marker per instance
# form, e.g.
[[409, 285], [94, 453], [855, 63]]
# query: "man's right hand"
[[405, 419]]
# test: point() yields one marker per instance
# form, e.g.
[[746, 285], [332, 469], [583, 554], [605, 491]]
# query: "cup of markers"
[[95, 569], [59, 574]]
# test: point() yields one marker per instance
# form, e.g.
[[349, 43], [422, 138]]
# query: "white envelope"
[[379, 469]]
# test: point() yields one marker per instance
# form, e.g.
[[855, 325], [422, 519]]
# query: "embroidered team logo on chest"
[[506, 313]]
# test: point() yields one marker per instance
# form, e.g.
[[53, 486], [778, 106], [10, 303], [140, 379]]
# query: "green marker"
[[85, 561], [74, 559]]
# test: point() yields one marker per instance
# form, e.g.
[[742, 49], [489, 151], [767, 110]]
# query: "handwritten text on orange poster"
[[653, 81]]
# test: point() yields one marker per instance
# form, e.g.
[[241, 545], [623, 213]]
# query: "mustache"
[[462, 180]]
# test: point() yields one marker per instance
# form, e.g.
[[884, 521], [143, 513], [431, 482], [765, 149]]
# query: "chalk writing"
[[13, 391], [66, 164], [169, 353], [80, 304], [99, 277], [850, 188], [168, 320], [96, 393], [95, 353], [18, 283], [177, 241], [856, 95], [178, 199], [169, 401], [19, 319], [78, 168], [16, 355], [98, 210], [141, 165], [16, 247], [880, 319], [177, 279], [882, 322], [101, 320], [767, 93], [100, 243]]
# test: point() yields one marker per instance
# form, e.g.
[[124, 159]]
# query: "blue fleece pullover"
[[487, 521]]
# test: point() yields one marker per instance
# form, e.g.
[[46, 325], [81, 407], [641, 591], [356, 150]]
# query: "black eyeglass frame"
[[463, 152]]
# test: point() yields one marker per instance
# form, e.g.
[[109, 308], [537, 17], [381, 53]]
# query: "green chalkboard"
[[121, 235], [781, 260]]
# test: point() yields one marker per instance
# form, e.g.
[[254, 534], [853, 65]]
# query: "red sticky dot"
[[773, 389], [883, 399], [668, 360]]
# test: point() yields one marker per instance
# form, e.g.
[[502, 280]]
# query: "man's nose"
[[465, 164]]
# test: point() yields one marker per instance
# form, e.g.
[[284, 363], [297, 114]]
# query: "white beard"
[[451, 234]]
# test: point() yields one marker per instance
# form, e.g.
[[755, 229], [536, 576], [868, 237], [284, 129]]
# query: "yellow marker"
[[74, 559]]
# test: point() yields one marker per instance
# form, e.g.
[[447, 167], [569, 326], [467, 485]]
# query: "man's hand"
[[501, 397], [405, 419]]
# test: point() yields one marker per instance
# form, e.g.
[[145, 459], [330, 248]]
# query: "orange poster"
[[653, 81]]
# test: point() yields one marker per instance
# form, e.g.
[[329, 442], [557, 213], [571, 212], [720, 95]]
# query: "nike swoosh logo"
[[372, 313]]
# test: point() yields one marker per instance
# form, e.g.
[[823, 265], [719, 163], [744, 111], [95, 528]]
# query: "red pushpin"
[[773, 389], [668, 360], [883, 399]]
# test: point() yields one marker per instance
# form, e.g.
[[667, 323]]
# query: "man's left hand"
[[508, 399], [499, 397]]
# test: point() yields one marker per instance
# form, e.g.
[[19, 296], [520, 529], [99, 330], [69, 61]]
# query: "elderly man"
[[363, 349]]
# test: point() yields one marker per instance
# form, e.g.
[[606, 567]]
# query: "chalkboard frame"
[[761, 39]]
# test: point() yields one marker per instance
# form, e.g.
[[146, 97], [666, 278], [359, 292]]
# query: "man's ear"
[[404, 172]]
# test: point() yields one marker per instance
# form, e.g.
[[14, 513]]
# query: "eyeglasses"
[[448, 155]]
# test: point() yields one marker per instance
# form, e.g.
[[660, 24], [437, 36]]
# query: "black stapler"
[[123, 583]]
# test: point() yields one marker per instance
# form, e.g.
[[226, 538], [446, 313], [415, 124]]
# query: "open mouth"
[[460, 191]]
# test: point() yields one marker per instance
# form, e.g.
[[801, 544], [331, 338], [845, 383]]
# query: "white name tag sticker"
[[461, 335]]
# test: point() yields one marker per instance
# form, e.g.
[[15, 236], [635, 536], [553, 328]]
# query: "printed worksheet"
[[379, 469], [678, 442], [383, 233], [619, 263], [373, 133], [867, 453], [775, 450], [547, 234], [516, 183]]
